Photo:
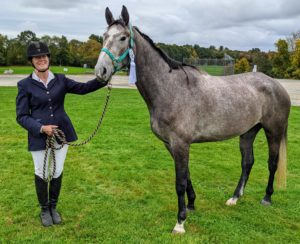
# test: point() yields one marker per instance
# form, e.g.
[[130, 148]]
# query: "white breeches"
[[38, 160]]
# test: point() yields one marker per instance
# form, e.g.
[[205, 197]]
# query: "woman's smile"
[[41, 62]]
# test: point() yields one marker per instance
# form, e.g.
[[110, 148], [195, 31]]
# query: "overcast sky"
[[236, 24]]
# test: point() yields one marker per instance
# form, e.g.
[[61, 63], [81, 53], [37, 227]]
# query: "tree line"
[[63, 52], [282, 63]]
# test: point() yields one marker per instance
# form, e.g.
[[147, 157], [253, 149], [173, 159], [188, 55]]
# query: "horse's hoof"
[[265, 202], [178, 229], [232, 201], [190, 208]]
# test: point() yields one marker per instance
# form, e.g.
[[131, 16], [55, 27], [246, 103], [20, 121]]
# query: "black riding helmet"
[[37, 48]]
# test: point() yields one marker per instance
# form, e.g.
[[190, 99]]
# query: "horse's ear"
[[125, 15], [109, 17]]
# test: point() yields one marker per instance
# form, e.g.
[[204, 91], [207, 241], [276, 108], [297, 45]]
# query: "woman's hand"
[[48, 129]]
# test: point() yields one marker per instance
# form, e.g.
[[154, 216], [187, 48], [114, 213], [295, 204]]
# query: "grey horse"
[[188, 106]]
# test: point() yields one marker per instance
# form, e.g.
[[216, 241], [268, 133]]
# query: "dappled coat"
[[37, 105]]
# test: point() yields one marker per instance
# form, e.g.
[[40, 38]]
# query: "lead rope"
[[59, 134]]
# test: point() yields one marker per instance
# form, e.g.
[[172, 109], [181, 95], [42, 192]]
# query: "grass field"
[[120, 187], [213, 69], [55, 69]]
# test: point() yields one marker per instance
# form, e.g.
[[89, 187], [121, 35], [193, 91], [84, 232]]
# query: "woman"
[[40, 109]]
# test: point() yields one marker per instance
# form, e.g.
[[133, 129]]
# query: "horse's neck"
[[148, 60], [150, 68]]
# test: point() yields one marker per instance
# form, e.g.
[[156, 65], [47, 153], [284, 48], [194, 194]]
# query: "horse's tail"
[[282, 162]]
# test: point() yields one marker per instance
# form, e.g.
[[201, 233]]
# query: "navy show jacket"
[[37, 105]]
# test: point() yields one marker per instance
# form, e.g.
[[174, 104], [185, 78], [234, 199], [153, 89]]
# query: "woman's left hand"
[[48, 129]]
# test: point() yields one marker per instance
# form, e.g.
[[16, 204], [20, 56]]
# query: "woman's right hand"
[[48, 129]]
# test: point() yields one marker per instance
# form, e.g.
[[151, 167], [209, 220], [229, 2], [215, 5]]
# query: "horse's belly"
[[225, 127], [219, 134]]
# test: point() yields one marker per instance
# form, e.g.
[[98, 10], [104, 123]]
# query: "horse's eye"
[[123, 38]]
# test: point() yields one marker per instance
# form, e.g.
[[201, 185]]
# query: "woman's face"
[[41, 63]]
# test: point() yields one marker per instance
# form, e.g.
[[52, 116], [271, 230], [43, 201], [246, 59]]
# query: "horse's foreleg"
[[191, 195], [180, 154], [246, 148]]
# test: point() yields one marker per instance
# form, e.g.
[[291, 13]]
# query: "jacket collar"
[[41, 85], [49, 78]]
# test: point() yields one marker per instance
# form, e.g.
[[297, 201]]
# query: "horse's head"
[[117, 41]]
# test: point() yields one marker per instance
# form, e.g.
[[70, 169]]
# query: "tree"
[[90, 52], [203, 52], [76, 56], [63, 53], [291, 40], [96, 38], [295, 60], [3, 49], [242, 66], [194, 53], [254, 50], [263, 63], [25, 37], [281, 59], [53, 44], [16, 53], [46, 39], [16, 48]]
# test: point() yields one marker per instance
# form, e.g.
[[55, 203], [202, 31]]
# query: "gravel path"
[[292, 86]]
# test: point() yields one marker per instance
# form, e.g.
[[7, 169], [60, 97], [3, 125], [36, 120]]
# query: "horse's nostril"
[[104, 71]]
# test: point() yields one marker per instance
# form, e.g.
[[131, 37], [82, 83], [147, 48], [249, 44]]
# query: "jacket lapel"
[[37, 83], [41, 85], [51, 83]]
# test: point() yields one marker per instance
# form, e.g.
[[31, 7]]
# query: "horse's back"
[[254, 86], [231, 105], [261, 83], [272, 96]]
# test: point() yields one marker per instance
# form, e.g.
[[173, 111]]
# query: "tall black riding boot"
[[55, 185], [41, 187]]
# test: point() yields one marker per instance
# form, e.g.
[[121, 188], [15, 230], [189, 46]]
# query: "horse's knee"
[[180, 188]]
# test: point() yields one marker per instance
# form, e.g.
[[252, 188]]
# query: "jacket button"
[[50, 107], [48, 92], [49, 99], [51, 115]]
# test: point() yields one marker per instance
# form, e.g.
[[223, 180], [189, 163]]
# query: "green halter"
[[118, 60]]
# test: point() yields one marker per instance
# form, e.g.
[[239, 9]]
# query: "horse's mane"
[[173, 64], [117, 22]]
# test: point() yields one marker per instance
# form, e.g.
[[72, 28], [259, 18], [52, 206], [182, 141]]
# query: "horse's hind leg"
[[191, 195], [246, 148], [274, 147]]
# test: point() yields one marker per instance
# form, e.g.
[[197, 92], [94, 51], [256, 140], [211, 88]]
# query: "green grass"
[[213, 69], [56, 69], [120, 187]]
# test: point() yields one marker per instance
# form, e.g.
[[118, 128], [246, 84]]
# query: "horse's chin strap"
[[128, 51], [115, 60]]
